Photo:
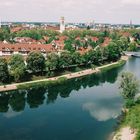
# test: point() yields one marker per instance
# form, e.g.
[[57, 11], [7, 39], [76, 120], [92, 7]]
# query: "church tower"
[[62, 24]]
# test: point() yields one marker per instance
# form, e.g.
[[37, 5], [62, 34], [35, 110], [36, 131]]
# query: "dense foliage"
[[36, 62], [17, 67], [129, 86], [4, 74]]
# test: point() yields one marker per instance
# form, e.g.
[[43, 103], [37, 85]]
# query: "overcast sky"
[[106, 11]]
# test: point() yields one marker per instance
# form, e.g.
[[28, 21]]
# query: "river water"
[[79, 109]]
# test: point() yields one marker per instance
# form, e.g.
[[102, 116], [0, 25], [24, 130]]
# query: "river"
[[84, 108]]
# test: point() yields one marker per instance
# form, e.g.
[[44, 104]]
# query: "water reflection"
[[103, 110], [17, 100], [34, 97], [4, 101], [10, 113]]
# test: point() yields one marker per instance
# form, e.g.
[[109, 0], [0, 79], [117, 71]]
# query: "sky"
[[101, 11]]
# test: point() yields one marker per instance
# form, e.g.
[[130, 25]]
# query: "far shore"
[[67, 76]]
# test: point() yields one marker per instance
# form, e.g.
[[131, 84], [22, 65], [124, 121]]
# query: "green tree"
[[35, 62], [114, 35], [65, 59], [77, 44], [114, 52], [132, 46], [125, 42], [34, 34], [92, 43], [52, 61], [68, 46], [76, 58], [101, 40], [17, 67], [4, 34], [106, 33], [88, 27], [4, 74], [129, 86]]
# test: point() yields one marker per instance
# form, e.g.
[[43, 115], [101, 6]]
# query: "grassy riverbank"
[[60, 80], [131, 119], [115, 65], [41, 83]]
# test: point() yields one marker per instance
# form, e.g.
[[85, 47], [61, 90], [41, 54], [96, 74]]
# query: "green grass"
[[132, 119], [44, 83], [120, 63]]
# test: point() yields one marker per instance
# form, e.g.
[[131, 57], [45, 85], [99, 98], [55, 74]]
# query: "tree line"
[[16, 68]]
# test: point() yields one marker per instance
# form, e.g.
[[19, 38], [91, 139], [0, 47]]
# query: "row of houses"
[[24, 49], [26, 45]]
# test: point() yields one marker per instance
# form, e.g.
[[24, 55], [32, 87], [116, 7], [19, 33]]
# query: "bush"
[[129, 103], [61, 79]]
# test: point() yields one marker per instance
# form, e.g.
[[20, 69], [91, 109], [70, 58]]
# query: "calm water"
[[80, 109]]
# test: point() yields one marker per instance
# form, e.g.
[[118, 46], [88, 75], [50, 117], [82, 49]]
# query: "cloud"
[[102, 112], [7, 3], [133, 2], [120, 11]]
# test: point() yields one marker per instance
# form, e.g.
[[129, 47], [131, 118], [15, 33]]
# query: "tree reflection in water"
[[35, 97], [17, 100]]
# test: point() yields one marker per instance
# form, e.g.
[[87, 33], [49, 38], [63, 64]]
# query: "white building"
[[62, 24]]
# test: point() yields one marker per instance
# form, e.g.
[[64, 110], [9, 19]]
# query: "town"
[[23, 38]]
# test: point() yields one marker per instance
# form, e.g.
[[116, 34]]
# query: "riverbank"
[[131, 118], [125, 134], [63, 77]]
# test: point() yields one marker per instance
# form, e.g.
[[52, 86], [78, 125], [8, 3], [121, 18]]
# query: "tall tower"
[[131, 24], [62, 24]]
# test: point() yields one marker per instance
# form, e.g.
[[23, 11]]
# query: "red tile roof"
[[106, 42], [26, 47], [55, 28], [17, 29], [126, 34], [63, 38], [95, 39]]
